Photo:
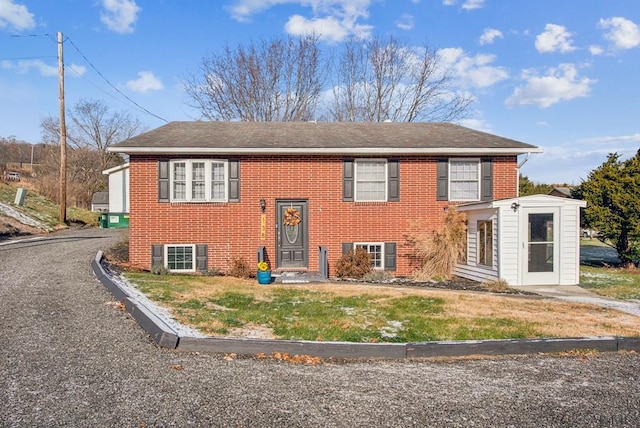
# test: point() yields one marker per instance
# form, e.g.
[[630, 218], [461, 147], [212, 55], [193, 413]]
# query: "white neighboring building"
[[530, 240], [118, 188]]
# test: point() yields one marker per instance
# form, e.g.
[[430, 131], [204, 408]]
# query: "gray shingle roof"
[[318, 138], [100, 198]]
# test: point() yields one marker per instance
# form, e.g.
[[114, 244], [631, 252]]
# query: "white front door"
[[540, 246]]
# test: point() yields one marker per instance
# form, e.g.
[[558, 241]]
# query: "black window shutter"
[[234, 181], [390, 256], [157, 255], [163, 181], [486, 187], [346, 247], [347, 180], [442, 180], [201, 258], [393, 169]]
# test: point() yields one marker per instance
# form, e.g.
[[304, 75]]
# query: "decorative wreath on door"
[[291, 217]]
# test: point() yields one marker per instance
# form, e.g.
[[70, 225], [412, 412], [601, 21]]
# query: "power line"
[[52, 38], [26, 57], [113, 86]]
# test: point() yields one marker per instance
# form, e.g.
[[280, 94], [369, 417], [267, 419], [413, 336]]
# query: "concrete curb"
[[159, 331], [166, 337]]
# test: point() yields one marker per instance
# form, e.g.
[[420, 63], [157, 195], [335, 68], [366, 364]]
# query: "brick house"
[[204, 193]]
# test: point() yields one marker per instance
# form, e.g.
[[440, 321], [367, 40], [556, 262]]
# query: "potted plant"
[[264, 273]]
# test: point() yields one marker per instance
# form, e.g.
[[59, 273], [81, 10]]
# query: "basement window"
[[179, 258], [375, 250]]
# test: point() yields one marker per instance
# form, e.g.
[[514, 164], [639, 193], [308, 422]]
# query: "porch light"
[[515, 206], [263, 205]]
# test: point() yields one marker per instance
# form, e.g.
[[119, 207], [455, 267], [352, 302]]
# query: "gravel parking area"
[[71, 357]]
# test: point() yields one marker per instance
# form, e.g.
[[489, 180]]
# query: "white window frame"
[[451, 181], [369, 244], [193, 256], [208, 165], [483, 243], [356, 179]]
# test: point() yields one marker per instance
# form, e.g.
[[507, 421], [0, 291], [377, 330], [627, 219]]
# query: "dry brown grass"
[[552, 318], [438, 250]]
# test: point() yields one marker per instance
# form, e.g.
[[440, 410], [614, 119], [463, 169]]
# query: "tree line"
[[296, 80]]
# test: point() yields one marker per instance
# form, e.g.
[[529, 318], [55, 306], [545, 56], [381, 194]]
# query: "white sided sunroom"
[[530, 240]]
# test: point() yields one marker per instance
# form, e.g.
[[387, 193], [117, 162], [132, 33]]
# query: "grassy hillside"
[[42, 209]]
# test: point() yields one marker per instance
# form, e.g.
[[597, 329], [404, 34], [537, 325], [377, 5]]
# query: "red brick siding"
[[233, 229]]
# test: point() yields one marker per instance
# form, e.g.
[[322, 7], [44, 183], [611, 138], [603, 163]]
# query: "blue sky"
[[562, 75]]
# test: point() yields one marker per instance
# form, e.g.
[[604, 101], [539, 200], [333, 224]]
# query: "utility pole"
[[63, 135]]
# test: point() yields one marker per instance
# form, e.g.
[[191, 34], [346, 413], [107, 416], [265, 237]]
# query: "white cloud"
[[77, 70], [328, 28], [473, 4], [332, 20], [477, 124], [633, 138], [596, 50], [405, 22], [558, 84], [624, 34], [145, 82], [120, 15], [555, 38], [475, 71], [467, 4], [24, 66], [489, 35], [15, 15], [46, 70]]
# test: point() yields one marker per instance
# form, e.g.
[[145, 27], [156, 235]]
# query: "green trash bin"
[[103, 220]]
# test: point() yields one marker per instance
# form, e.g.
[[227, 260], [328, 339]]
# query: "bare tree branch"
[[276, 80], [381, 79]]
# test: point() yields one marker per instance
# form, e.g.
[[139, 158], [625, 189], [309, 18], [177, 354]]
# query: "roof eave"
[[327, 151]]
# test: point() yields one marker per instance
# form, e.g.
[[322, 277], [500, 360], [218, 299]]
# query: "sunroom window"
[[485, 243]]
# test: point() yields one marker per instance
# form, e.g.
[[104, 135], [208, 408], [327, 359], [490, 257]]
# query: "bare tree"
[[93, 126], [91, 129], [276, 80], [380, 79]]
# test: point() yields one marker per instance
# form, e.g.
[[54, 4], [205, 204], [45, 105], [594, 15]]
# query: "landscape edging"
[[165, 337]]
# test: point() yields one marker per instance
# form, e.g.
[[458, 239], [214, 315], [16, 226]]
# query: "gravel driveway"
[[69, 357]]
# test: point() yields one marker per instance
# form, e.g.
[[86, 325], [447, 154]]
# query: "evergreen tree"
[[528, 187], [612, 192]]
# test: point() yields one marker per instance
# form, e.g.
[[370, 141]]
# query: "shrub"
[[354, 264], [496, 286], [215, 271], [119, 253], [240, 268], [378, 276], [160, 270], [439, 250]]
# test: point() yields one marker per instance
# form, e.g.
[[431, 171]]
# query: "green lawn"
[[611, 282], [600, 274]]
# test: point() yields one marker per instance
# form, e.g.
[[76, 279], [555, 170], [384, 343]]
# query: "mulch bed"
[[455, 283]]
